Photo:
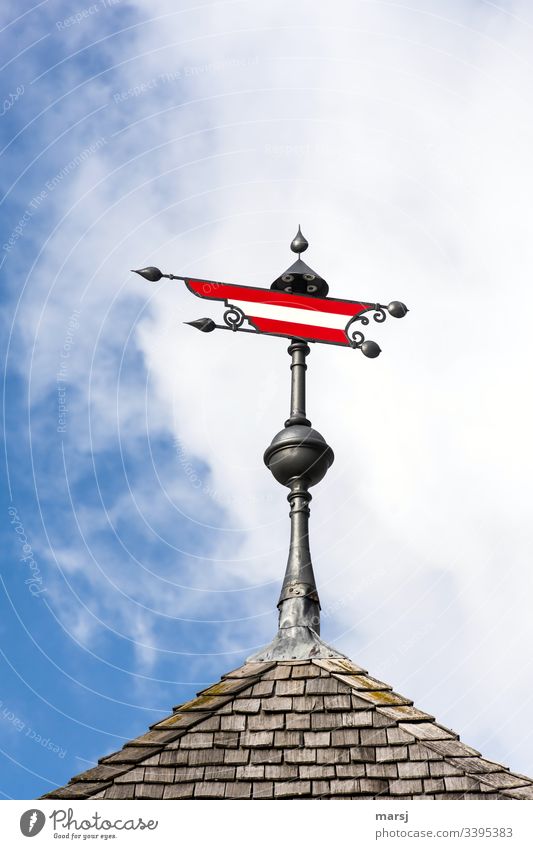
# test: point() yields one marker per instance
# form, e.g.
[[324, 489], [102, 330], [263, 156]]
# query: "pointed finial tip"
[[150, 273], [299, 244], [206, 325]]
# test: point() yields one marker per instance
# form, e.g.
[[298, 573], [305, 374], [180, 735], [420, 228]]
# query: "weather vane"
[[297, 307]]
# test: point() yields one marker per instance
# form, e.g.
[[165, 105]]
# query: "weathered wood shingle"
[[291, 730]]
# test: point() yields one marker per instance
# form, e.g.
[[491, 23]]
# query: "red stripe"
[[229, 292], [303, 331]]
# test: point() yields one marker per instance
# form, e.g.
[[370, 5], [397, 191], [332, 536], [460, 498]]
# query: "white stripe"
[[292, 314]]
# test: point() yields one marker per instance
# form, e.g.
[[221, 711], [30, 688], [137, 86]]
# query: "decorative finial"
[[299, 244], [206, 325], [151, 273]]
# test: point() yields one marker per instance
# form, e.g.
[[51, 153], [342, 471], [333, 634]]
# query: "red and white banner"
[[285, 314]]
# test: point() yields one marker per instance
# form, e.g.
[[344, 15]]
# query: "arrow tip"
[[150, 273], [206, 325]]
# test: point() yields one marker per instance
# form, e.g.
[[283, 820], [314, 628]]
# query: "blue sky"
[[144, 540]]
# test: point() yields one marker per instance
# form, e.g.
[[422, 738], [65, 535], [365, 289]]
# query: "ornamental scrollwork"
[[379, 314], [233, 318], [355, 337]]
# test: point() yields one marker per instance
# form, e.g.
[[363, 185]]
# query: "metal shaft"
[[298, 602], [298, 457], [298, 351]]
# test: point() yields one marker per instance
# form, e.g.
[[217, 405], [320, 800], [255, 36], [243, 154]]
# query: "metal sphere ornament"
[[371, 349], [397, 309]]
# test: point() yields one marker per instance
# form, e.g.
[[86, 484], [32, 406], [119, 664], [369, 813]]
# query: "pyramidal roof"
[[315, 728]]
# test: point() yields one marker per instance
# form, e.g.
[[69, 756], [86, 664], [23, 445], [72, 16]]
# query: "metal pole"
[[298, 457], [298, 350], [298, 602]]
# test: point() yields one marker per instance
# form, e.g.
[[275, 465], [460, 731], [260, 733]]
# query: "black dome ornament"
[[299, 279]]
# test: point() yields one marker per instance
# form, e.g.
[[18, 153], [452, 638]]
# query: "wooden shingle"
[[291, 730]]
